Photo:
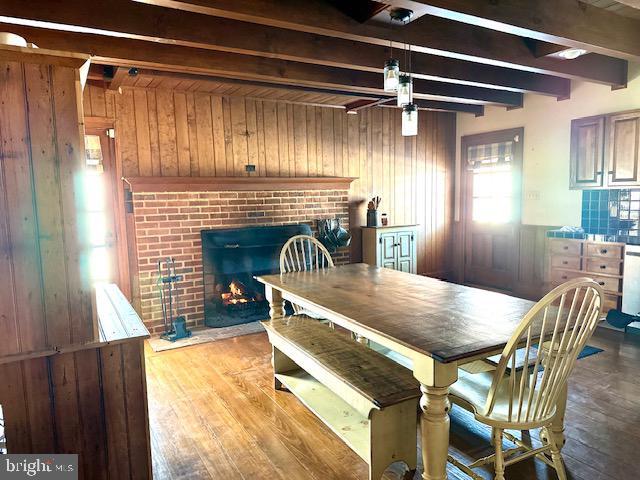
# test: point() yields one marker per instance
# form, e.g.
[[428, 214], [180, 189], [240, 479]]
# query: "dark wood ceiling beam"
[[157, 24], [477, 110], [119, 74], [428, 34], [565, 22], [359, 10], [126, 52], [95, 73]]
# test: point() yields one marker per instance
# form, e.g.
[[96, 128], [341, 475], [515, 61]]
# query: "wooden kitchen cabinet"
[[605, 151], [602, 261], [622, 149], [391, 247], [587, 152]]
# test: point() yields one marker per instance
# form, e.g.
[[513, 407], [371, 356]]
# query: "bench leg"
[[393, 438], [281, 364]]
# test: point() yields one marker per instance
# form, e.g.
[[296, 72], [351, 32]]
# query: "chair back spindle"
[[303, 253]]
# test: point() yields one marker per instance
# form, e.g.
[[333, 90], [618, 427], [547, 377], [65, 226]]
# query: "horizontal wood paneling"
[[183, 133], [90, 402]]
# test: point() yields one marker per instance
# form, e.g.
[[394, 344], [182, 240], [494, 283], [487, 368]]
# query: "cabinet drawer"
[[603, 265], [604, 250], [562, 261], [607, 283], [566, 247], [559, 276]]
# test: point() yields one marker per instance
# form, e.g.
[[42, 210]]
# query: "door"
[[404, 250], [388, 250], [623, 149], [492, 192], [109, 253], [587, 152]]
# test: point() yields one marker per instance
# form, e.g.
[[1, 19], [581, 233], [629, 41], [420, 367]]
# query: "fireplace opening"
[[231, 258]]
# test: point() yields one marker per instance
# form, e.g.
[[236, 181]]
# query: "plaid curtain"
[[490, 155]]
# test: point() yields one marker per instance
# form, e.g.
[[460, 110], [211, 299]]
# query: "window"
[[94, 211], [491, 172]]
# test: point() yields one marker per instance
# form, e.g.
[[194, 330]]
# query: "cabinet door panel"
[[388, 250], [587, 152], [405, 251], [623, 149]]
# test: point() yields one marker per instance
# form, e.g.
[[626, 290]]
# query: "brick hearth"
[[169, 225]]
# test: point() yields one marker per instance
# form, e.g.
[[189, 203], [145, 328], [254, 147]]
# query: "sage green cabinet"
[[391, 247]]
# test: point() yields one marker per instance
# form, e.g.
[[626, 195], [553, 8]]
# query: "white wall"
[[547, 199]]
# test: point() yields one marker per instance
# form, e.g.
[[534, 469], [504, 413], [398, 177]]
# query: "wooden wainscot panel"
[[45, 299], [90, 400]]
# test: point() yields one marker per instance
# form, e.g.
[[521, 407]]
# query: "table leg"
[[276, 302], [435, 379]]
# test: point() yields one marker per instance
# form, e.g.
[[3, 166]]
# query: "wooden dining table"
[[437, 324]]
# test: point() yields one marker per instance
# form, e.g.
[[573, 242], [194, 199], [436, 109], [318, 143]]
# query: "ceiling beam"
[[360, 10], [565, 22], [126, 52], [161, 25], [428, 34], [630, 3], [95, 73], [358, 105], [119, 74]]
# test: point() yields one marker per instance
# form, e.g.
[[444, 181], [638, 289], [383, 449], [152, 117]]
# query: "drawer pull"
[[604, 251], [564, 277], [601, 284], [564, 262], [603, 267], [566, 247]]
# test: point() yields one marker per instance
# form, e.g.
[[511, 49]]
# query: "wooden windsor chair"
[[524, 389], [303, 253]]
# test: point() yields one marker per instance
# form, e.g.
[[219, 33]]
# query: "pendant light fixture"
[[392, 65], [405, 84], [409, 120], [402, 84], [391, 75], [405, 90]]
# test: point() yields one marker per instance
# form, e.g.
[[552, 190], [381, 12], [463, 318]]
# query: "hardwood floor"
[[214, 414]]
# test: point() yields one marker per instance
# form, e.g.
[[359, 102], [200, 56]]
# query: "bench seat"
[[367, 399]]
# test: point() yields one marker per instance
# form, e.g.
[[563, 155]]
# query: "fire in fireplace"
[[231, 258]]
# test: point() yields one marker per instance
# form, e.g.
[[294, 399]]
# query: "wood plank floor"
[[214, 414]]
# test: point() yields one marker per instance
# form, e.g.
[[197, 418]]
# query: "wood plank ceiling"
[[466, 53]]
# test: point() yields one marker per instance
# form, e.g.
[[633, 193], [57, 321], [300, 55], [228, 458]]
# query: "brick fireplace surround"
[[168, 224]]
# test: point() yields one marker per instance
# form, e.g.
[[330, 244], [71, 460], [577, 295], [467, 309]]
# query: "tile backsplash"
[[612, 212]]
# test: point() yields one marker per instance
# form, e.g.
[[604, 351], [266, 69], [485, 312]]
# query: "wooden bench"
[[368, 400]]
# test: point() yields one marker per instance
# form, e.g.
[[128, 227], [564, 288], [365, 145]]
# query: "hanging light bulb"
[[391, 75], [405, 90], [409, 120]]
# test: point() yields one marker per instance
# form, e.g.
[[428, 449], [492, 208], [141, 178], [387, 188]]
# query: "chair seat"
[[471, 391]]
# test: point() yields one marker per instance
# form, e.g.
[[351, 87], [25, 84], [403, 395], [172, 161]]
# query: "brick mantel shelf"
[[216, 184]]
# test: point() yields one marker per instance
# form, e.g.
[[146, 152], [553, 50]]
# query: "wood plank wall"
[[91, 402], [169, 133], [45, 298], [532, 264]]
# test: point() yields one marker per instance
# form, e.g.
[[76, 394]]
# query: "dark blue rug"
[[588, 351]]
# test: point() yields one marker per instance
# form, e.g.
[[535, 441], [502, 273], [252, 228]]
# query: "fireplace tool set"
[[175, 325]]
